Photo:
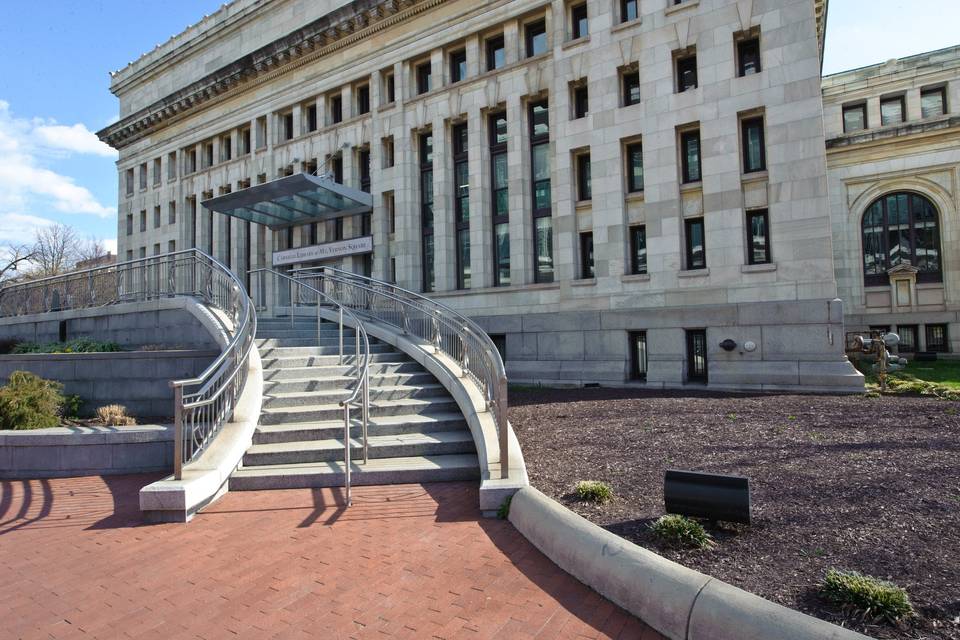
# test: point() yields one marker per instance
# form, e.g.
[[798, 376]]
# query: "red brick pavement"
[[410, 561]]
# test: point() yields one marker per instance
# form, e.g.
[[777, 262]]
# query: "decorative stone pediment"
[[904, 268]]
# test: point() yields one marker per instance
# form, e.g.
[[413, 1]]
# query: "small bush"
[[867, 596], [79, 345], [115, 415], [72, 406], [594, 491], [682, 531], [504, 511], [30, 402]]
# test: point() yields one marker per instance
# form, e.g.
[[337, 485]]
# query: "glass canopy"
[[293, 200]]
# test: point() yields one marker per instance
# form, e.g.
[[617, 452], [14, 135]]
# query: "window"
[[898, 227], [892, 111], [226, 148], [171, 246], [758, 237], [129, 224], [423, 72], [579, 23], [336, 166], [143, 220], [143, 176], [535, 35], [500, 342], [261, 132], [388, 158], [287, 124], [696, 248], [312, 117], [363, 159], [937, 338], [690, 155], [580, 99], [686, 72], [363, 99], [389, 89], [156, 249], [500, 209], [390, 205], [461, 202], [171, 212], [754, 153], [933, 102], [129, 255], [336, 109], [634, 153], [496, 53], [458, 66], [630, 82], [172, 165], [854, 118], [426, 209], [696, 355], [586, 255], [337, 229], [638, 355], [207, 155], [143, 252], [190, 161], [584, 191], [540, 164], [638, 249], [156, 172], [748, 57], [629, 10], [908, 338], [129, 181], [366, 220], [245, 146]]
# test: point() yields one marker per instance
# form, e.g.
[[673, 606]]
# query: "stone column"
[[512, 43], [444, 229], [521, 210], [407, 238], [481, 229]]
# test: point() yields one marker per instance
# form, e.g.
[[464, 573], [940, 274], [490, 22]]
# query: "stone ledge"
[[680, 603]]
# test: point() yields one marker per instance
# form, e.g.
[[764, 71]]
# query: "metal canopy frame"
[[291, 201]]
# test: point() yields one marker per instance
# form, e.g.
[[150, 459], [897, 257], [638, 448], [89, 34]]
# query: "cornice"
[[339, 29]]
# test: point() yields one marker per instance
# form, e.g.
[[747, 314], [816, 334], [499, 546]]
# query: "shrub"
[[72, 406], [594, 491], [30, 402], [504, 511], [79, 345], [115, 415], [867, 596], [682, 531]]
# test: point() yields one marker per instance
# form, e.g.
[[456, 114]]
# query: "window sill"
[[686, 4], [583, 204], [570, 44], [583, 282], [634, 196], [628, 24], [758, 268], [754, 176], [635, 277], [387, 106], [694, 273], [690, 187]]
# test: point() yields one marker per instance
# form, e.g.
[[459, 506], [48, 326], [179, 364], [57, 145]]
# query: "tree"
[[90, 249], [13, 258], [56, 250]]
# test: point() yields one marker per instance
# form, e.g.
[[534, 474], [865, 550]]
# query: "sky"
[[56, 55]]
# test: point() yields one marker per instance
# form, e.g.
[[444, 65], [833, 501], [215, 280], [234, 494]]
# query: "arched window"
[[898, 227]]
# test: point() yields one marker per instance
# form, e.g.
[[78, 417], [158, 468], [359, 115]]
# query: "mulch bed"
[[870, 484]]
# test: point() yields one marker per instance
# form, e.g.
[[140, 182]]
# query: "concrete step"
[[412, 470], [319, 379], [410, 406], [382, 369], [332, 396], [380, 446], [282, 361], [325, 336], [267, 344], [381, 426]]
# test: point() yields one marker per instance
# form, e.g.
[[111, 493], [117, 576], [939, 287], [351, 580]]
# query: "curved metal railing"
[[202, 405], [285, 291], [450, 332]]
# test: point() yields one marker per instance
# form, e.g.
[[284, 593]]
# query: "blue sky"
[[55, 56]]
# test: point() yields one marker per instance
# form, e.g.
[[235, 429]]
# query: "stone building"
[[612, 188], [893, 158]]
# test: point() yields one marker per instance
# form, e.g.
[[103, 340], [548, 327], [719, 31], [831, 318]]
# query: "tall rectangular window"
[[937, 338], [854, 118], [245, 141], [754, 153], [748, 57], [908, 338], [461, 203], [312, 117], [496, 53], [696, 355], [156, 172], [287, 120], [586, 255], [686, 72], [336, 166], [363, 158], [690, 155], [388, 159], [336, 109], [426, 210], [129, 181], [143, 220], [892, 111], [129, 224], [630, 86], [584, 188], [338, 228], [535, 36], [389, 89], [758, 237], [629, 10], [579, 23], [424, 73], [226, 148], [500, 208], [171, 212], [172, 165], [390, 205], [634, 153], [695, 243], [143, 176], [638, 355], [638, 249], [580, 99], [933, 102], [541, 168], [458, 66], [363, 99]]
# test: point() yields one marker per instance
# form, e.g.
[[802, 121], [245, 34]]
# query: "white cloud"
[[26, 185], [110, 244], [18, 228], [77, 139]]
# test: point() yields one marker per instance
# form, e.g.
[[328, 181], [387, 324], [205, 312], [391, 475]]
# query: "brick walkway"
[[405, 561]]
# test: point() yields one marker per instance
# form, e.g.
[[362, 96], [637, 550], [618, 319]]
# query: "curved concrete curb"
[[680, 603]]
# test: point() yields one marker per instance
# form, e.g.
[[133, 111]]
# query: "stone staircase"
[[416, 430]]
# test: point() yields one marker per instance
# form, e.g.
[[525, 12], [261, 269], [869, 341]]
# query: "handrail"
[[201, 413], [359, 396], [446, 329]]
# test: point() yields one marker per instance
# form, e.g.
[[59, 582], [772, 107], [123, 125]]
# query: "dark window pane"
[[854, 118], [686, 73], [580, 102], [543, 241], [458, 66], [586, 255], [697, 356], [891, 111], [363, 99], [690, 145], [583, 177], [634, 168], [631, 87], [536, 34], [428, 269], [758, 240], [423, 77], [908, 338], [540, 119], [500, 175], [541, 195], [463, 258], [696, 250], [933, 103], [748, 52], [578, 16], [541, 162], [496, 55], [628, 10], [753, 151], [638, 249], [500, 130], [937, 338], [502, 258]]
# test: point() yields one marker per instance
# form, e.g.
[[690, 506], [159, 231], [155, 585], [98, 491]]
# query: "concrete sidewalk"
[[406, 561]]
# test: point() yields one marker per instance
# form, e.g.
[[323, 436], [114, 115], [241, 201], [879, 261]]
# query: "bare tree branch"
[[12, 257], [56, 250]]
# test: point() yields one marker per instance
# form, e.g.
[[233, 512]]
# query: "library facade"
[[618, 191]]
